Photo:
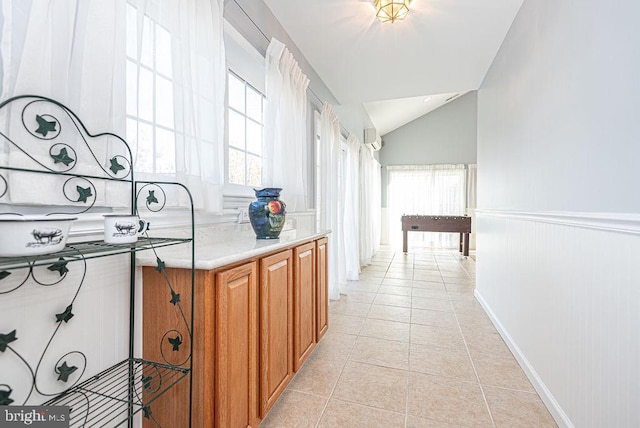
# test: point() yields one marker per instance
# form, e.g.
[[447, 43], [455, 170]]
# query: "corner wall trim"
[[549, 400], [610, 222]]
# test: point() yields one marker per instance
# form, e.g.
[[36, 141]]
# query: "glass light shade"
[[390, 10]]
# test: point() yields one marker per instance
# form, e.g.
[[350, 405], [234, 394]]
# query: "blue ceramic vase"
[[267, 213]]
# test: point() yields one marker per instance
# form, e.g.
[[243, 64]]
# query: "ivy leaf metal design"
[[160, 266], [115, 165], [4, 274], [4, 397], [6, 339], [83, 193], [66, 315], [146, 381], [151, 199], [63, 157], [175, 298], [60, 266], [176, 342], [64, 371], [147, 411], [44, 126]]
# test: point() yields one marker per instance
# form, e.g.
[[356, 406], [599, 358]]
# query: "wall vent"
[[372, 139]]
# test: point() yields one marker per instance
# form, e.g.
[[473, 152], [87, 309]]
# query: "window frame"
[[316, 164]]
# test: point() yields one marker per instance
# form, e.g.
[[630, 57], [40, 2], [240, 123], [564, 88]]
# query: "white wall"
[[557, 132]]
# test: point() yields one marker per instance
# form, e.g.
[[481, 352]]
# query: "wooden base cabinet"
[[304, 307], [255, 323], [276, 327], [322, 288]]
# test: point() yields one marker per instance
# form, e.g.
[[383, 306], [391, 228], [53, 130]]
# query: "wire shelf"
[[87, 250], [52, 142], [112, 396]]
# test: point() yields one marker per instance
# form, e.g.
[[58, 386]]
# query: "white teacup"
[[123, 228]]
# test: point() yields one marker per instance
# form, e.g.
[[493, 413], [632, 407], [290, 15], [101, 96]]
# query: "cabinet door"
[[236, 356], [304, 306], [322, 288], [276, 327]]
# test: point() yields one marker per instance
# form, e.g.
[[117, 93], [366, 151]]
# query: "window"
[[175, 96], [426, 190], [244, 130], [149, 100], [245, 106]]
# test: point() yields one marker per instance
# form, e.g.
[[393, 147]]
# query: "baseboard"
[[549, 400]]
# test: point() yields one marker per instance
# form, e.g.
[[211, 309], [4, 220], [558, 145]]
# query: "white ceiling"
[[441, 47]]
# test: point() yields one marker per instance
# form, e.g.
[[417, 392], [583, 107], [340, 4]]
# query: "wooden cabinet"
[[255, 323], [276, 327], [172, 408], [322, 288], [236, 354], [304, 306]]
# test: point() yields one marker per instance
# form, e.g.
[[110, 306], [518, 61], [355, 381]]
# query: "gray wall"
[[446, 135], [255, 21], [558, 132], [558, 111]]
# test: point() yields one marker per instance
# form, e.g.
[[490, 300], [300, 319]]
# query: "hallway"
[[409, 346]]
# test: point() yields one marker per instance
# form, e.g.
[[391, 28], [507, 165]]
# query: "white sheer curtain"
[[472, 185], [351, 194], [69, 51], [425, 190], [331, 209], [197, 57], [370, 206], [285, 132], [72, 52]]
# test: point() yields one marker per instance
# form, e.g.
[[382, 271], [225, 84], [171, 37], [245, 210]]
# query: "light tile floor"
[[409, 346]]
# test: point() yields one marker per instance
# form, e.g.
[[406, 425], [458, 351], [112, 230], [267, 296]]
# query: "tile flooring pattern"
[[409, 346]]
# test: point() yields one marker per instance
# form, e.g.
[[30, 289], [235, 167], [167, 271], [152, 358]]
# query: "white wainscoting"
[[563, 289], [99, 329]]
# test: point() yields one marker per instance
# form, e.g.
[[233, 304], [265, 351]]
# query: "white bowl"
[[120, 228], [33, 235]]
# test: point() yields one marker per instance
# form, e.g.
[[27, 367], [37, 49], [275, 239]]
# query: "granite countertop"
[[212, 252]]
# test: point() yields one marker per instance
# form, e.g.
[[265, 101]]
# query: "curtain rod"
[[320, 101]]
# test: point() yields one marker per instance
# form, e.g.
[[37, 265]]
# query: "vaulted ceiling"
[[441, 48]]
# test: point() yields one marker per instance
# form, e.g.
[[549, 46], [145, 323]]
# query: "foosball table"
[[438, 223]]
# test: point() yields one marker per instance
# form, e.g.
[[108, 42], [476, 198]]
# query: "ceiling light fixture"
[[390, 10]]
